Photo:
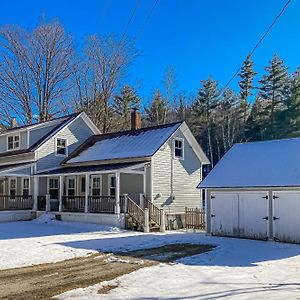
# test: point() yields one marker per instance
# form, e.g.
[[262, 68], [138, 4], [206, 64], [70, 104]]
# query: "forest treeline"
[[44, 74]]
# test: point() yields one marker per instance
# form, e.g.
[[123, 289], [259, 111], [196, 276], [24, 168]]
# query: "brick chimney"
[[136, 121]]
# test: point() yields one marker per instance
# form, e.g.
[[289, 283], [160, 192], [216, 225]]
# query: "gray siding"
[[23, 141], [131, 184], [76, 133], [186, 177], [38, 133]]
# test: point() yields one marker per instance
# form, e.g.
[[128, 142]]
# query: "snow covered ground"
[[235, 269]]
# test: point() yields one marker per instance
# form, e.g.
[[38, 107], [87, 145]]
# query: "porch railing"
[[154, 211], [73, 203], [16, 202], [102, 204]]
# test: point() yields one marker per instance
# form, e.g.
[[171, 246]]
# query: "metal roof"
[[93, 168], [259, 164], [143, 142]]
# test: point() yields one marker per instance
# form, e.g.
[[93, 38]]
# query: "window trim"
[[22, 185], [13, 136], [48, 186], [61, 155], [92, 184], [182, 142], [4, 186], [9, 186], [68, 186], [109, 184]]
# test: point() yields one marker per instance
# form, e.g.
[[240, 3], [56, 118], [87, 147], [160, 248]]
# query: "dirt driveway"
[[48, 280]]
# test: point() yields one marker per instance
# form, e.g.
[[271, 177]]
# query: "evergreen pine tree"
[[202, 114], [274, 90], [158, 111], [124, 103], [290, 117], [246, 86], [255, 129]]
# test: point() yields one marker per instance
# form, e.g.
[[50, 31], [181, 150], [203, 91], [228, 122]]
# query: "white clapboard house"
[[254, 192], [68, 167]]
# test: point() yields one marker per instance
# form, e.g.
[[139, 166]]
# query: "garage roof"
[[258, 164]]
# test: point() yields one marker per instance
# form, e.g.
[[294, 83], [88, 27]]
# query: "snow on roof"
[[259, 164], [138, 143]]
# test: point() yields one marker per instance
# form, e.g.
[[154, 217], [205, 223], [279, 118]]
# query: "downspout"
[[172, 168]]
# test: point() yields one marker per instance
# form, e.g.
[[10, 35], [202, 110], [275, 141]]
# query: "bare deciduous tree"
[[99, 74], [35, 68]]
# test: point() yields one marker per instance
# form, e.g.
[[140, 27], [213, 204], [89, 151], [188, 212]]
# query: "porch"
[[83, 193]]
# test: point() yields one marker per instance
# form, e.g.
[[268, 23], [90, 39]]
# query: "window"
[[96, 186], [71, 186], [53, 188], [2, 186], [12, 186], [26, 186], [13, 142], [178, 148], [112, 185], [61, 147], [82, 185]]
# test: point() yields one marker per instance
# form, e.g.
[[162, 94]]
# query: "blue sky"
[[199, 38]]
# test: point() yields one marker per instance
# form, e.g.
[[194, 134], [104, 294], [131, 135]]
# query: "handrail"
[[154, 211], [135, 211]]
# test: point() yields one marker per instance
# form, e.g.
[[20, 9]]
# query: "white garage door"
[[286, 211], [241, 214]]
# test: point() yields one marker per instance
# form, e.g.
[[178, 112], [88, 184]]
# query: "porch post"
[[35, 192], [118, 210], [87, 193], [48, 203], [146, 220], [61, 191], [141, 201], [162, 221], [144, 183]]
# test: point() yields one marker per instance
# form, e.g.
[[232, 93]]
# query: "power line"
[[258, 44], [104, 13], [146, 20], [137, 3]]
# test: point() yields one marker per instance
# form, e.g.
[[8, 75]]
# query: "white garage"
[[254, 192]]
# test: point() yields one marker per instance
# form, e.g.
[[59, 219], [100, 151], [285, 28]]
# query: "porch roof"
[[90, 169], [16, 169]]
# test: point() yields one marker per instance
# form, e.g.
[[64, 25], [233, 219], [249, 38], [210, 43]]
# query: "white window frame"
[[9, 186], [49, 188], [109, 184], [22, 185], [13, 136], [182, 143], [75, 186], [92, 184], [61, 155], [4, 186]]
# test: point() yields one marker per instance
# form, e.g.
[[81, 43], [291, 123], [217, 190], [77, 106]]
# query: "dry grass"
[[48, 280]]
